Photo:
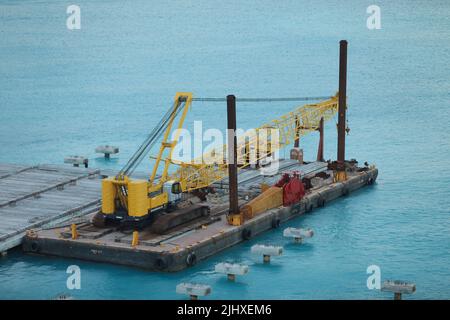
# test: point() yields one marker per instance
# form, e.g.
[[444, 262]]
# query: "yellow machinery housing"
[[269, 199], [123, 197]]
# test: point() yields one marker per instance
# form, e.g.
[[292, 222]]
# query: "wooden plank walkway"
[[41, 196]]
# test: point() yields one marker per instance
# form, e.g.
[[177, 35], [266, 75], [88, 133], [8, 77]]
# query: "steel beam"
[[342, 102], [232, 154], [297, 132], [321, 142]]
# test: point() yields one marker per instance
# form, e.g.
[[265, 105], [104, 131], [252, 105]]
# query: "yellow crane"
[[289, 126], [133, 200]]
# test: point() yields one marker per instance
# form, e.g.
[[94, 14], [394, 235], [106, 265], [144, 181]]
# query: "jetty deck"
[[43, 195]]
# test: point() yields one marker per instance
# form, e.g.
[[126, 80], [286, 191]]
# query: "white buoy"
[[398, 287], [107, 150], [194, 290], [298, 234], [267, 251], [76, 161], [231, 269]]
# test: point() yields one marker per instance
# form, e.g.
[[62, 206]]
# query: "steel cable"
[[280, 99]]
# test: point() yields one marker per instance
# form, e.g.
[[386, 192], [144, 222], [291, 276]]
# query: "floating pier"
[[186, 244]]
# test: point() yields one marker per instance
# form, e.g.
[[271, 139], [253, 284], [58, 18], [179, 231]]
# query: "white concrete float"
[[231, 269], [77, 160], [266, 251], [398, 287], [298, 234], [63, 296], [107, 150], [194, 290]]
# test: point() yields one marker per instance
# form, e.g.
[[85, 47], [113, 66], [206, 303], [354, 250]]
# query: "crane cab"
[[173, 190], [140, 204]]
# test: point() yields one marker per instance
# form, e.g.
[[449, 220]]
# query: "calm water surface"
[[64, 92]]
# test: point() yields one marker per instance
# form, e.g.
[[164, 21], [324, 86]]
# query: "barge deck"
[[43, 195], [184, 245]]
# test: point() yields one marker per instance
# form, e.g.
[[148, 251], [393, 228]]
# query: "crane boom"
[[201, 173], [182, 101]]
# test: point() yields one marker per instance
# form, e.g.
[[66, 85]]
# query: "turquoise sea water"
[[64, 92]]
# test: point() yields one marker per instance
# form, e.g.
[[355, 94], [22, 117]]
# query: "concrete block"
[[266, 251], [398, 286], [76, 160], [298, 233], [231, 268], [63, 296], [107, 150], [194, 290]]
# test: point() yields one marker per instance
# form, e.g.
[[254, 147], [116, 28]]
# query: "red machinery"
[[287, 191], [293, 188]]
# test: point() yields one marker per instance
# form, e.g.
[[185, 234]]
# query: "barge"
[[176, 218], [199, 239]]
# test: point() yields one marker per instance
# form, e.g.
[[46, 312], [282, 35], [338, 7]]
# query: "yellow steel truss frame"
[[299, 122], [180, 97]]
